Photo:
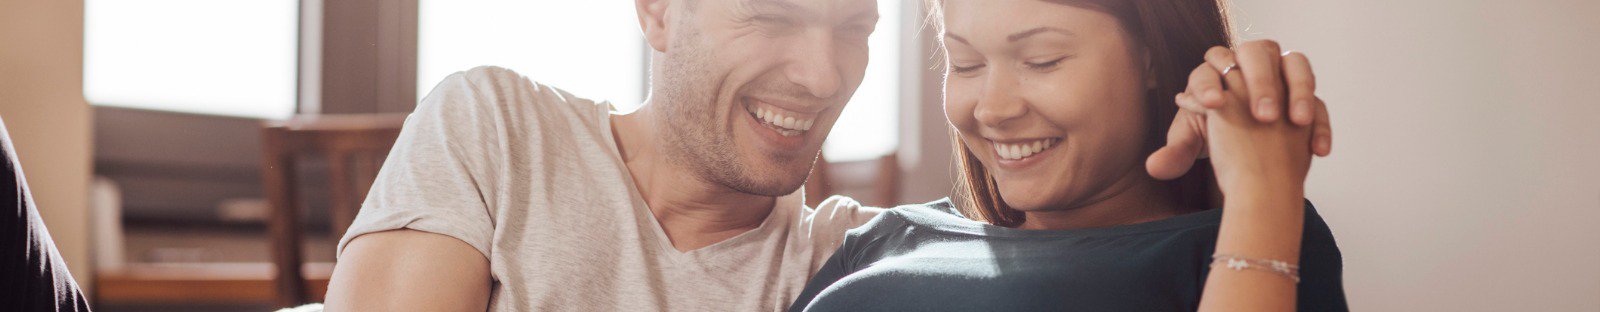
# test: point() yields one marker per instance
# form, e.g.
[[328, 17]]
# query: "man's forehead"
[[818, 8]]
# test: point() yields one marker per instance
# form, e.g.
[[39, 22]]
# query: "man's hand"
[[1271, 75]]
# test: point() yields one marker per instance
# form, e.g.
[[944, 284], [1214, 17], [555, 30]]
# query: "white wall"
[[1467, 134], [41, 100]]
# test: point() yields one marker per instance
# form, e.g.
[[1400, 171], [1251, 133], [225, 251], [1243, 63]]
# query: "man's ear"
[[653, 21]]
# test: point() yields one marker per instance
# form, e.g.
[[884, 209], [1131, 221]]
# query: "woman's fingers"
[[1302, 88], [1322, 131], [1261, 62], [1222, 62], [1188, 102], [1186, 142], [1205, 84]]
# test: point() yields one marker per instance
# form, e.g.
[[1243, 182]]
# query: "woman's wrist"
[[1264, 225], [1262, 194], [1262, 185]]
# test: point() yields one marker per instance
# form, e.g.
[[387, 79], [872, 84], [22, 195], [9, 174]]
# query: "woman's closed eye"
[[1045, 65], [960, 69]]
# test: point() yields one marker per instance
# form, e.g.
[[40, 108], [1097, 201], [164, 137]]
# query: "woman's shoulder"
[[1317, 236], [1321, 266], [941, 213], [935, 214], [941, 210]]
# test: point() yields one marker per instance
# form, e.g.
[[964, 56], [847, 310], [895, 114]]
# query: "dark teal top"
[[928, 258]]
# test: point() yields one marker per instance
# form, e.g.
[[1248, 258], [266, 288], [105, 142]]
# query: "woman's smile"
[[1017, 154]]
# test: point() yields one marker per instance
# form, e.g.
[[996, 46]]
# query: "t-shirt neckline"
[[1178, 222]]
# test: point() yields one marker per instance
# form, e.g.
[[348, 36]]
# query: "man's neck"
[[1136, 198], [692, 212]]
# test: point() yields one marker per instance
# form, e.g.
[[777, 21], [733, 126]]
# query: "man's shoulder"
[[502, 91], [849, 213], [841, 213]]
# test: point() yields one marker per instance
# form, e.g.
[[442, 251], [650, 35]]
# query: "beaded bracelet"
[[1238, 263]]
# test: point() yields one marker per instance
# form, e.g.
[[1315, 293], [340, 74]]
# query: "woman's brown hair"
[[1177, 34]]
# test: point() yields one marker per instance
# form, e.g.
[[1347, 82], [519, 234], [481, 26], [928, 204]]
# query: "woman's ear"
[[653, 21]]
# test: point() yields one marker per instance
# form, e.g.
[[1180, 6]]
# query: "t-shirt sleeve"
[[853, 252], [437, 177], [835, 215], [1321, 267]]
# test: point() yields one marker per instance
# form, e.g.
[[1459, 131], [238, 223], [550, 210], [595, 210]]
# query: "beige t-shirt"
[[531, 177]]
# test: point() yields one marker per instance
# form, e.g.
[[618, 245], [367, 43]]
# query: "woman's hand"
[[1248, 154], [1273, 74], [1260, 161]]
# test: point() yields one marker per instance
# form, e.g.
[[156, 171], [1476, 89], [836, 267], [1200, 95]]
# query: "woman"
[[1054, 103]]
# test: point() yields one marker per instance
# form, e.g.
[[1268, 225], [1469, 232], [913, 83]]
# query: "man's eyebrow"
[[1027, 33], [867, 16]]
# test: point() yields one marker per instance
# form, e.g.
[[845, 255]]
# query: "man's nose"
[[814, 65]]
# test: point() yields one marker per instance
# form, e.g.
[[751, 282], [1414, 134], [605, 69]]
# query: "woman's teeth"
[[786, 125], [1014, 151]]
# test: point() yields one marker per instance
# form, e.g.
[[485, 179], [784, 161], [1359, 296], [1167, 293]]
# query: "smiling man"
[[509, 195], [503, 194]]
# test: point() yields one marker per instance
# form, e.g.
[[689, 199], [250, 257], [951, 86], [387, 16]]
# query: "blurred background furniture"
[[874, 182], [353, 147]]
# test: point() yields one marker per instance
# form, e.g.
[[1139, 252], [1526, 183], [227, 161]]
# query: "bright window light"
[[869, 126], [590, 48], [234, 58]]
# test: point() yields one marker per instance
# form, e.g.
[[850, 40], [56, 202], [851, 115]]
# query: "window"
[[870, 125], [590, 48], [234, 58]]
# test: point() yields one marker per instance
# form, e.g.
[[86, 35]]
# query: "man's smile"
[[785, 122]]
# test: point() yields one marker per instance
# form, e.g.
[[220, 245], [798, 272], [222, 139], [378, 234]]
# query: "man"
[[507, 195]]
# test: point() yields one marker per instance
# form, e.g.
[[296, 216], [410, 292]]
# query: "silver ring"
[[1229, 69]]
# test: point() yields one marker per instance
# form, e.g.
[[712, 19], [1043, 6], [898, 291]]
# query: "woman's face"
[[1049, 97]]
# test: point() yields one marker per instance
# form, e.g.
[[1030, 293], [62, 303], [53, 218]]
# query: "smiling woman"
[[1056, 103]]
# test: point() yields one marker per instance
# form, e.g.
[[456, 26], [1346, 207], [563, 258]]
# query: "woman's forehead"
[[1006, 21]]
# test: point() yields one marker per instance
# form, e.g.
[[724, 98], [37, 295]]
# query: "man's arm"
[[409, 270]]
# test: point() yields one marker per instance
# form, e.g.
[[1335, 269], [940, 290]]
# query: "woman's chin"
[[1026, 199]]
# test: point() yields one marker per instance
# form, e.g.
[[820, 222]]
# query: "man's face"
[[750, 88]]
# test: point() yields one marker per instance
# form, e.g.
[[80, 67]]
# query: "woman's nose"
[[999, 102]]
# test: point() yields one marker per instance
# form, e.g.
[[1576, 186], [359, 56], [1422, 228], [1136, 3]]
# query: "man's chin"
[[773, 182], [770, 187]]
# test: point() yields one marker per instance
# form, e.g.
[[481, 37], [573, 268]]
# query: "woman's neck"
[[1135, 198]]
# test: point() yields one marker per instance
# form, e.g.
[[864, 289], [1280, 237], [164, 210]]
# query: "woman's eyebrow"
[[953, 36], [1027, 33]]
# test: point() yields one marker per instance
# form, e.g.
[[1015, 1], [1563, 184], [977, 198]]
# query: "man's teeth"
[[1013, 151], [782, 121]]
